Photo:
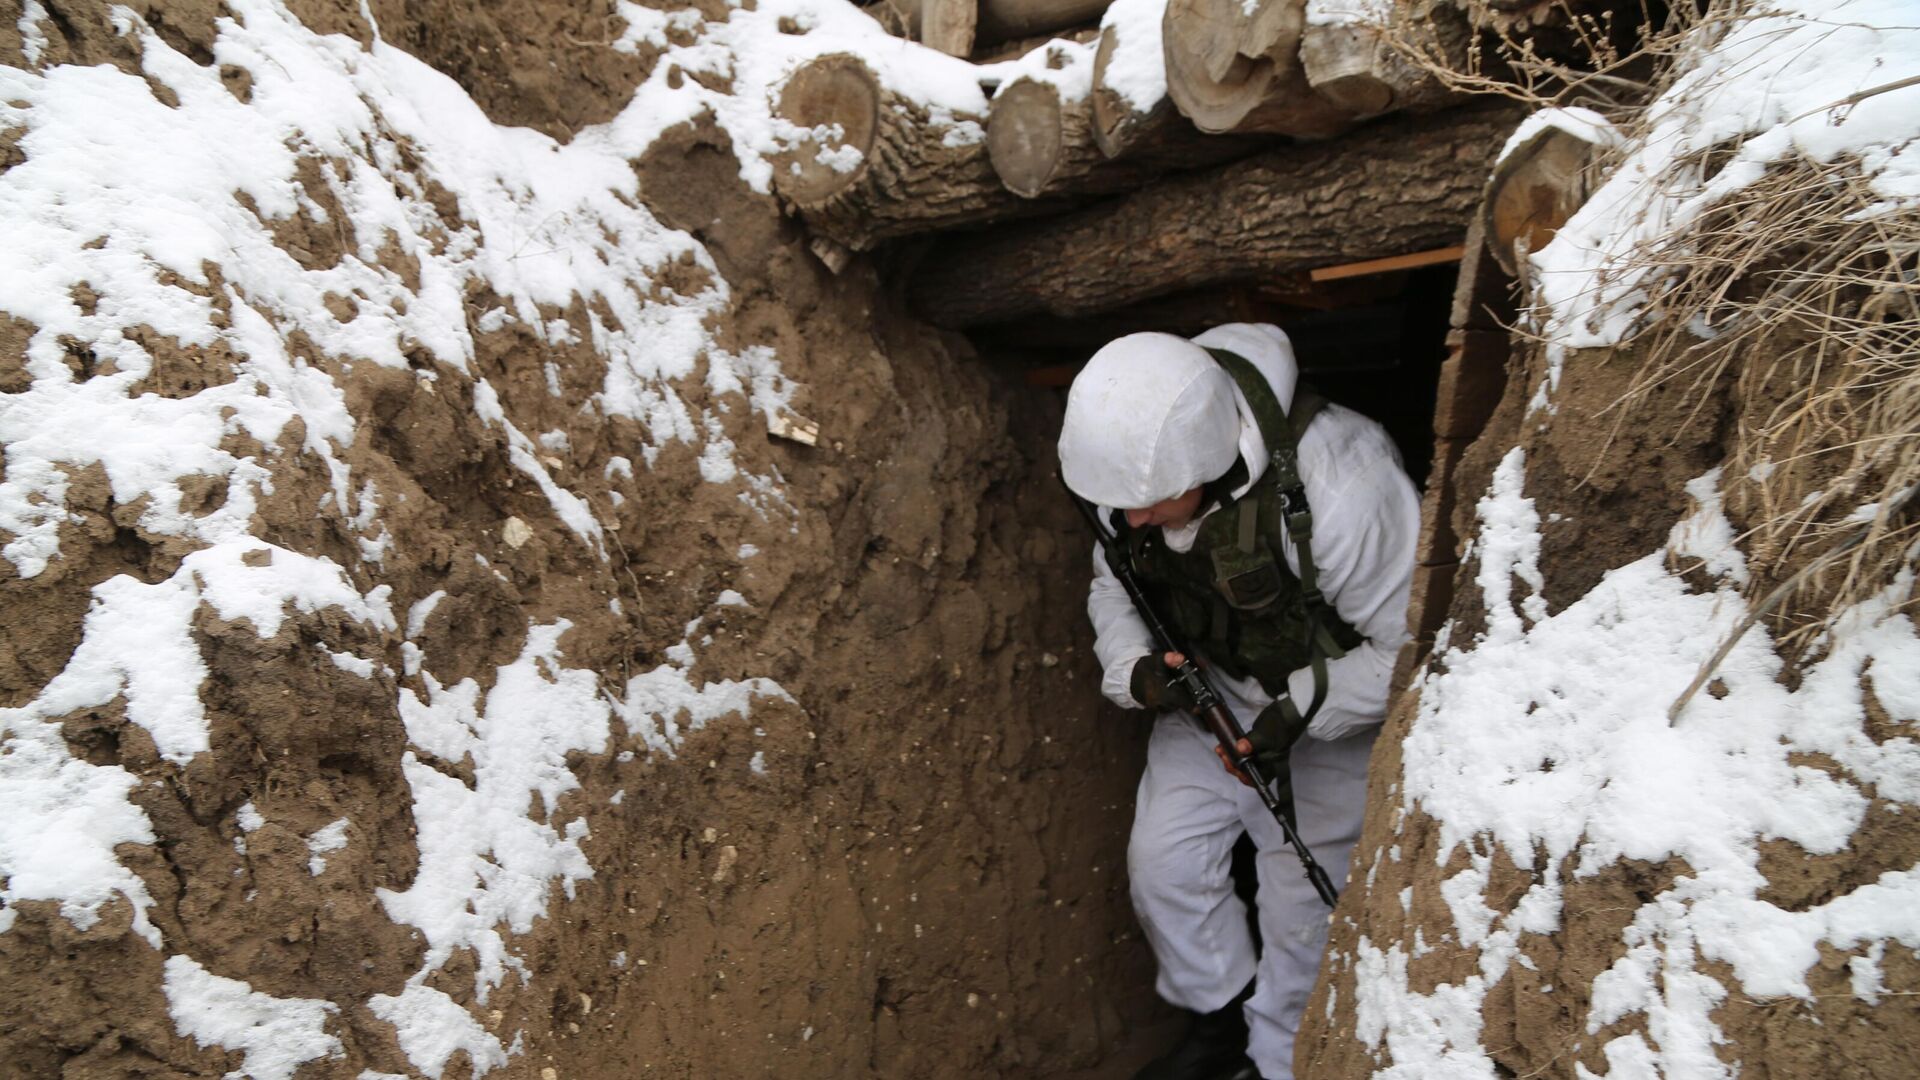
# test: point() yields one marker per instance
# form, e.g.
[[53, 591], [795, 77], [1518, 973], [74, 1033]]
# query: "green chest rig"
[[1232, 594]]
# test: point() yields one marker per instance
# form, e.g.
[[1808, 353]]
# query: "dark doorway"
[[1373, 343]]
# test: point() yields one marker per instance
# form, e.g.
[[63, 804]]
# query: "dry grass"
[[1553, 52], [1808, 295]]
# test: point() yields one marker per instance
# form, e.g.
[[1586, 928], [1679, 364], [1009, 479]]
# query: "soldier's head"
[[1150, 420]]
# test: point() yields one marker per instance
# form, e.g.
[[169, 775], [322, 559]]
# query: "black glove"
[[1153, 685], [1275, 730]]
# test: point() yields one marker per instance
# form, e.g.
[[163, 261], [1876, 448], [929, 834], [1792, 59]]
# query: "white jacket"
[[1366, 517]]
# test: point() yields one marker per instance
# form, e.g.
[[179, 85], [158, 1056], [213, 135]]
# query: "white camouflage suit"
[[1151, 417]]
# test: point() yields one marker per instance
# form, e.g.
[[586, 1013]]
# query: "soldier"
[[1179, 437]]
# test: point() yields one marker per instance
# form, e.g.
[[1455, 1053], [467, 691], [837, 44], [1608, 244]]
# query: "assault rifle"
[[1207, 706]]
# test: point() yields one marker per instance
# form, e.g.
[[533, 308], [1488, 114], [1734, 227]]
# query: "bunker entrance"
[[1415, 341], [1373, 343]]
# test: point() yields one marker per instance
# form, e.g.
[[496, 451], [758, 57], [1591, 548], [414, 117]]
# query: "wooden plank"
[[1437, 544], [1472, 379], [1428, 603], [1483, 293], [1392, 262]]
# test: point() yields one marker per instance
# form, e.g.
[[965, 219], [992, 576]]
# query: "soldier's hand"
[[1153, 684], [1245, 748]]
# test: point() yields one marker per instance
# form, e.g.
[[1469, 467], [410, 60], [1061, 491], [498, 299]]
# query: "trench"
[[1422, 349], [927, 877]]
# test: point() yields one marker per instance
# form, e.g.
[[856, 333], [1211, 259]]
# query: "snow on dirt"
[[1542, 763], [1548, 737], [165, 213]]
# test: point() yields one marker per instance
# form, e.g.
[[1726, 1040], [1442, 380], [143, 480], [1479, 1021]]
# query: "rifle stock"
[[1208, 709]]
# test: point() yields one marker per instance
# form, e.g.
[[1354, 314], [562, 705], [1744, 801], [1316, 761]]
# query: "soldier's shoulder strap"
[[1282, 431]]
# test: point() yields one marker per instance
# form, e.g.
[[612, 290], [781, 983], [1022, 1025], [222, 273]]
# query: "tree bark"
[[892, 170], [949, 25], [1041, 144], [1393, 187], [1122, 129], [1231, 70], [1001, 20]]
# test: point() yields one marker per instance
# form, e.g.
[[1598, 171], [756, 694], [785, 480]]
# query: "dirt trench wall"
[[1453, 949], [794, 768]]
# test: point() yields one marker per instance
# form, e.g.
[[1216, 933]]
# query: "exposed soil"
[[1610, 478], [927, 880]]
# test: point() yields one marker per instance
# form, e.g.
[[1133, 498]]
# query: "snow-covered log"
[[1535, 189], [1117, 120], [1390, 188], [1125, 126], [1042, 141], [879, 164], [1351, 61], [1232, 66]]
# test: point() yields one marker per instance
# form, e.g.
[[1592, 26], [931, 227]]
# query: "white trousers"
[[1188, 814]]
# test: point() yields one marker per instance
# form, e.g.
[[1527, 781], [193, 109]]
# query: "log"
[[949, 25], [1018, 47], [1185, 314], [1117, 120], [1393, 187], [1534, 190], [1035, 141], [1042, 142], [1231, 70], [891, 170], [1122, 127], [1002, 20], [1355, 65]]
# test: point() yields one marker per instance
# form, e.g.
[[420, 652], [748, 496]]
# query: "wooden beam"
[[1398, 185], [1392, 262]]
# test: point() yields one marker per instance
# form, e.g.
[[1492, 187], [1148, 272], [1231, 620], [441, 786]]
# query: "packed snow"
[[276, 1035]]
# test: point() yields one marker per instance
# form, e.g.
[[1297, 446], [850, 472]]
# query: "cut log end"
[[1024, 136], [1231, 71], [1535, 189], [839, 97], [1345, 65]]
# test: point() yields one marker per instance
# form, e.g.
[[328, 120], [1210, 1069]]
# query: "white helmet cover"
[[1150, 417]]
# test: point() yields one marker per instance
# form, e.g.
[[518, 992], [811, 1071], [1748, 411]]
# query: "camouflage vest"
[[1232, 595]]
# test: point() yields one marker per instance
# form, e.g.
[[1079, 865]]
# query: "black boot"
[[1214, 1048]]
